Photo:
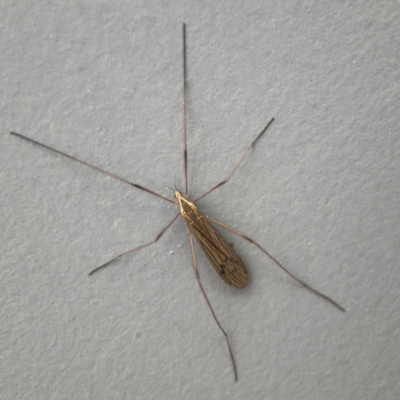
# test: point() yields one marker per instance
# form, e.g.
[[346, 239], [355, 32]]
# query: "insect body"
[[220, 253]]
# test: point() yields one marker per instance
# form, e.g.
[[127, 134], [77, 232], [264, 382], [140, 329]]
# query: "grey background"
[[103, 81]]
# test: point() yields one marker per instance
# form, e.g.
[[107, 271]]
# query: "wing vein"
[[219, 252]]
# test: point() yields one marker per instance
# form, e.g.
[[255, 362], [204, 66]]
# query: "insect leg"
[[278, 263], [137, 248], [185, 160], [237, 164], [196, 271], [92, 166]]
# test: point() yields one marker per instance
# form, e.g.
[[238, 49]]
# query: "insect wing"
[[225, 260]]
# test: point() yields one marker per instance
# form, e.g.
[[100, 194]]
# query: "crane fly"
[[228, 264]]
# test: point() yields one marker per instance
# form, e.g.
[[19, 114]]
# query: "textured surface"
[[320, 191]]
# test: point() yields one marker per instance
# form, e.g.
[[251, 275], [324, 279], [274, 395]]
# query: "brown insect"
[[220, 253]]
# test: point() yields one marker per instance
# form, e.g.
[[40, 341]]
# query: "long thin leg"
[[185, 159], [93, 166], [196, 272], [137, 248], [237, 164], [278, 263]]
